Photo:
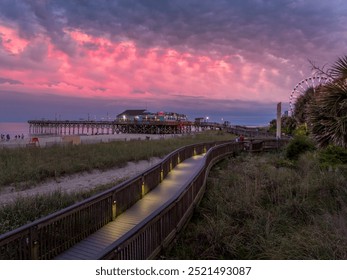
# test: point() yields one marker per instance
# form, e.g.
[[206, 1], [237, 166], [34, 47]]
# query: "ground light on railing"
[[114, 209], [143, 189], [161, 174]]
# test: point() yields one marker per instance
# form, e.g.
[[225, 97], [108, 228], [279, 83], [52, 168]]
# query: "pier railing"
[[51, 235]]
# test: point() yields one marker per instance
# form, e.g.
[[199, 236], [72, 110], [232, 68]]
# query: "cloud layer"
[[218, 55]]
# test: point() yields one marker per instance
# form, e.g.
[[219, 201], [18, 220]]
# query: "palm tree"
[[339, 70], [327, 116], [327, 111]]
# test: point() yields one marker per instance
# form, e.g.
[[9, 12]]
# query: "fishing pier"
[[54, 127]]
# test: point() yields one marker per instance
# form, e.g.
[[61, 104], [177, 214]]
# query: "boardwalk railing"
[[51, 235], [263, 145]]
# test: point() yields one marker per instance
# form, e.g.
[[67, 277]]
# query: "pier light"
[[124, 117]]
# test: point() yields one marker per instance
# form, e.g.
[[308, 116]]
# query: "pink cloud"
[[11, 42], [107, 69]]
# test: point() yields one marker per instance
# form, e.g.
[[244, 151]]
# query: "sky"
[[229, 60]]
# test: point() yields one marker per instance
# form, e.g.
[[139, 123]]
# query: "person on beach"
[[8, 137]]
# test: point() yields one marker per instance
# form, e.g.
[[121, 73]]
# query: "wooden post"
[[278, 130], [34, 243]]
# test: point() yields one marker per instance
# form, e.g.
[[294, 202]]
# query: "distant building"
[[144, 115], [131, 115], [199, 120]]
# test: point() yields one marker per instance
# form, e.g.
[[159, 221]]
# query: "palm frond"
[[327, 115], [339, 68]]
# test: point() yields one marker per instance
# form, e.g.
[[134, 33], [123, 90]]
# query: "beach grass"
[[23, 167], [16, 214], [266, 207]]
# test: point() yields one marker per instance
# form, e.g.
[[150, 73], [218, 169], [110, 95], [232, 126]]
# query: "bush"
[[301, 130], [255, 210], [298, 146], [333, 155]]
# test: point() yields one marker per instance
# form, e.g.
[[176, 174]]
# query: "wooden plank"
[[70, 255], [102, 236], [97, 241], [88, 243], [82, 250], [177, 178]]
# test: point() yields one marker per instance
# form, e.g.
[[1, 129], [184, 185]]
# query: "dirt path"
[[78, 182]]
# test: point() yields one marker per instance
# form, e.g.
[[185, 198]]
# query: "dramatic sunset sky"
[[230, 59]]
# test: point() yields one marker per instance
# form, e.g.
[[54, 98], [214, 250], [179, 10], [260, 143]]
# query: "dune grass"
[[16, 214], [266, 207], [23, 166]]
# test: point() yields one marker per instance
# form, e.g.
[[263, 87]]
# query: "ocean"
[[14, 128]]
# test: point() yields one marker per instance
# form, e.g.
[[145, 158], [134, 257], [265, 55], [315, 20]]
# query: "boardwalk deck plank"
[[171, 185]]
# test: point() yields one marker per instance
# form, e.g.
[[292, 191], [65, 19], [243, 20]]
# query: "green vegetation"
[[266, 207], [27, 166], [323, 109], [288, 206], [327, 115], [301, 104], [298, 146], [321, 112], [288, 125], [333, 156], [16, 214], [24, 167]]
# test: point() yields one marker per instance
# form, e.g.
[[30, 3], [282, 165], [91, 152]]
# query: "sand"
[[78, 182], [46, 141]]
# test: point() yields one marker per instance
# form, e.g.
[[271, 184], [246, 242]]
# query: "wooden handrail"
[[47, 237]]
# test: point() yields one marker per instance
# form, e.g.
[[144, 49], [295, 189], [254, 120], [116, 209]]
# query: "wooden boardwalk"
[[175, 181]]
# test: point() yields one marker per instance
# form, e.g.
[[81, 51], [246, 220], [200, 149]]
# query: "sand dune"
[[78, 182]]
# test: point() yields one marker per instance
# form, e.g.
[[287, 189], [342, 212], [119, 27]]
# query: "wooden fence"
[[51, 235]]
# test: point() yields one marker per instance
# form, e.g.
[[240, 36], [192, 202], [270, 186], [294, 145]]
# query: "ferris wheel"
[[303, 86]]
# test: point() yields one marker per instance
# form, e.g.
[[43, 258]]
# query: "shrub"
[[301, 130], [298, 146], [333, 155]]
